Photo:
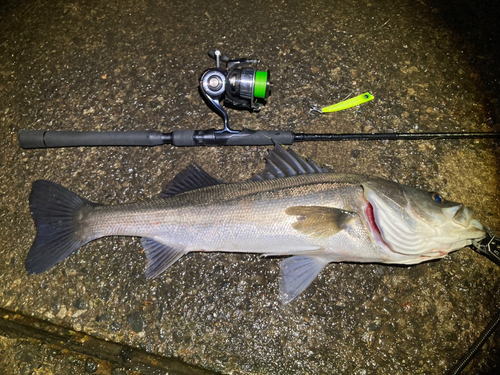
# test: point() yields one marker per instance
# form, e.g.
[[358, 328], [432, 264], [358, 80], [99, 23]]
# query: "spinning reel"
[[240, 86]]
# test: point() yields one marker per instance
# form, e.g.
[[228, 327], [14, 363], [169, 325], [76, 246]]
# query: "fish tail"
[[58, 232]]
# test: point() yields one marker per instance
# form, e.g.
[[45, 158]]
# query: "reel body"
[[240, 85]]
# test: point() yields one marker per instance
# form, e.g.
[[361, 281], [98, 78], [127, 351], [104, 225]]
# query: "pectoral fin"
[[319, 221], [297, 273]]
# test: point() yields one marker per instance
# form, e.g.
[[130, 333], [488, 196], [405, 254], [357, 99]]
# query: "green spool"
[[261, 84]]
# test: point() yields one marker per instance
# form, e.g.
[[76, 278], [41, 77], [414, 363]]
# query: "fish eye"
[[436, 197]]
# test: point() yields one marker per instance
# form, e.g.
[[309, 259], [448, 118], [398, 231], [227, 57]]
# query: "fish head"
[[417, 223]]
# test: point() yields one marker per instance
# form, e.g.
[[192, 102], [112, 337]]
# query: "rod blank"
[[393, 136]]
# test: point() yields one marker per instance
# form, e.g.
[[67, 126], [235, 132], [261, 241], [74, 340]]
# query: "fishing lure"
[[349, 103]]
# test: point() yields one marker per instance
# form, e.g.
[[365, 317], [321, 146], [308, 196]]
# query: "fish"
[[293, 208]]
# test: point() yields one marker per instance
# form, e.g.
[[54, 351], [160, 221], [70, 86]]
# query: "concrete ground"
[[135, 65]]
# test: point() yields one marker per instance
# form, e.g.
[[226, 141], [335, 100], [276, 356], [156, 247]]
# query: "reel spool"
[[240, 86]]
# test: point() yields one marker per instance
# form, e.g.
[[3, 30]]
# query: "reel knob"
[[213, 82]]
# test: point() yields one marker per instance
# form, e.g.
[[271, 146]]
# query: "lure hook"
[[315, 108]]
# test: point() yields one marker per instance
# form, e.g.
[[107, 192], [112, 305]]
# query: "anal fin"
[[297, 272], [160, 256]]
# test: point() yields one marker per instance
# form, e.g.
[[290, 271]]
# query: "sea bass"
[[293, 208]]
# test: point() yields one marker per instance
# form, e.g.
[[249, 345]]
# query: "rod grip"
[[260, 138], [245, 137], [42, 139]]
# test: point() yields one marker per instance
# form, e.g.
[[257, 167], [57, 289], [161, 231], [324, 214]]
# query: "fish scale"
[[224, 210]]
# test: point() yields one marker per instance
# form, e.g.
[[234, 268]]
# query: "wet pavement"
[[134, 65]]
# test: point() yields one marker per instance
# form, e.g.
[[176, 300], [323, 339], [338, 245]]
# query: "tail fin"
[[54, 210]]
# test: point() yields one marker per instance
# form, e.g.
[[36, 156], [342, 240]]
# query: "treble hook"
[[315, 108]]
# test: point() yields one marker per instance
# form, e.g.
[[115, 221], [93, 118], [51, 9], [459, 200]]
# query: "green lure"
[[353, 102]]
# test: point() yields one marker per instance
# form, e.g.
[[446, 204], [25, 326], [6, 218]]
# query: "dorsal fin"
[[191, 178], [283, 163]]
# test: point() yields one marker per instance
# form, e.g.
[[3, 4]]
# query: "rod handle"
[[43, 139], [260, 138], [245, 137]]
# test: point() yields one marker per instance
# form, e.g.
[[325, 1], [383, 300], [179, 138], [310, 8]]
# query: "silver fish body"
[[315, 217]]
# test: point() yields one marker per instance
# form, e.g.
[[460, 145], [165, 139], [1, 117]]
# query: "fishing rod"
[[240, 86], [212, 137]]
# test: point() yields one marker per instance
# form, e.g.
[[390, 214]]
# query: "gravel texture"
[[135, 65]]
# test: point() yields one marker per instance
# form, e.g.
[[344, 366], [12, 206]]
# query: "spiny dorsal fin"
[[319, 221], [283, 163], [191, 178]]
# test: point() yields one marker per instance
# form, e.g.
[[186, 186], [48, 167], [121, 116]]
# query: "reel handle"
[[223, 58]]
